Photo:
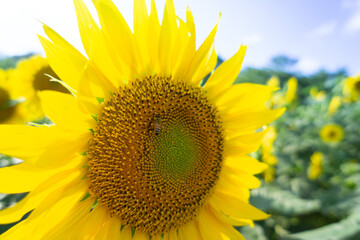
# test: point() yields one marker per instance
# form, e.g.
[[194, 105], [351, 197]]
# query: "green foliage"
[[324, 208], [10, 62]]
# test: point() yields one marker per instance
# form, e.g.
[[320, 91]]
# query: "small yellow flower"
[[269, 139], [334, 104], [267, 155], [320, 96], [313, 92], [269, 173], [291, 91], [273, 82], [332, 133], [351, 88], [33, 75], [315, 169]]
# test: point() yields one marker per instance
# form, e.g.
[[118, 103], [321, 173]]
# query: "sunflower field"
[[144, 136], [311, 187]]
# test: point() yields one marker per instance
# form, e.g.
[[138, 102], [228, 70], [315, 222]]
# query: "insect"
[[157, 124]]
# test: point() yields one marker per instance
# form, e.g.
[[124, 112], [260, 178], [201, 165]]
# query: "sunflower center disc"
[[156, 153], [357, 85], [6, 111]]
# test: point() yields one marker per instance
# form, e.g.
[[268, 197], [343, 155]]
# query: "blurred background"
[[308, 49]]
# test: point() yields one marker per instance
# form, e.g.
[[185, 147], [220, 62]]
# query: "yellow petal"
[[235, 207], [12, 178], [114, 227], [225, 184], [141, 236], [91, 223], [167, 37], [141, 28], [202, 54], [239, 178], [214, 229], [35, 197], [171, 235], [126, 233], [90, 104], [32, 141], [24, 177], [244, 164], [191, 27], [225, 75], [94, 44], [182, 42], [249, 122], [75, 56], [49, 212], [230, 220], [153, 37], [118, 36], [188, 53], [66, 226], [244, 97], [243, 144], [65, 62], [42, 146], [205, 66], [64, 111], [66, 146], [86, 24], [94, 84], [189, 231], [208, 229]]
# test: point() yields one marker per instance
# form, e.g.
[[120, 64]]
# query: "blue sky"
[[321, 34]]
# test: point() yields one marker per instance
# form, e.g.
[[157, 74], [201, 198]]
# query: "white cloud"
[[308, 65], [324, 30]]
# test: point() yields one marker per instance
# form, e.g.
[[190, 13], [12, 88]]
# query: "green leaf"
[[273, 199], [346, 229]]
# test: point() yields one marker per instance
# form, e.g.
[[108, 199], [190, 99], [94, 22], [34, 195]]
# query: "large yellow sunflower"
[[140, 150], [9, 103], [31, 77]]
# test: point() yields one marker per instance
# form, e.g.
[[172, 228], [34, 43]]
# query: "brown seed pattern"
[[156, 153]]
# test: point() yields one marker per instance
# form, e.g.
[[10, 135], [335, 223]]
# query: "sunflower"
[[267, 155], [351, 88], [140, 149], [334, 105], [313, 92], [290, 95], [274, 81], [33, 76], [331, 133], [277, 99], [315, 169], [9, 104]]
